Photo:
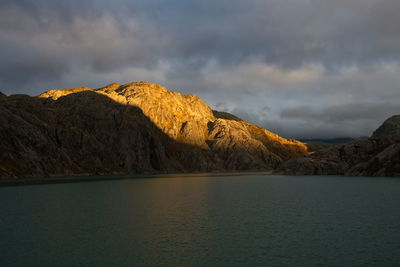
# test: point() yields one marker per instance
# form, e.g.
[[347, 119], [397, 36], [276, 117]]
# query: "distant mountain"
[[138, 127], [375, 156], [333, 141]]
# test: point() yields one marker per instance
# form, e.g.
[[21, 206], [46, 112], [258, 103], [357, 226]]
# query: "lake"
[[203, 220]]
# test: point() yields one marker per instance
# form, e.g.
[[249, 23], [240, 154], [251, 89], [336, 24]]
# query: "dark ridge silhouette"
[[225, 115], [333, 141]]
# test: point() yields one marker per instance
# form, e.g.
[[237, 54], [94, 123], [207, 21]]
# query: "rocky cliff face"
[[376, 156], [132, 128]]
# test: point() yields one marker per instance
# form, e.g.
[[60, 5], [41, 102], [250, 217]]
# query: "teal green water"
[[251, 220]]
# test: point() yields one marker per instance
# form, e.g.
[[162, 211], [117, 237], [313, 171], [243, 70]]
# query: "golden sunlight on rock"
[[135, 127], [187, 119]]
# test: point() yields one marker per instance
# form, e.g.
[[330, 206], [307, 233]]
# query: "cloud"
[[342, 113], [260, 76], [322, 67], [355, 119], [43, 47]]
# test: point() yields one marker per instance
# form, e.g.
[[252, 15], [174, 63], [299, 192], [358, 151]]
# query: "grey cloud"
[[341, 113], [295, 57], [26, 64], [285, 33], [298, 112], [39, 46], [355, 119]]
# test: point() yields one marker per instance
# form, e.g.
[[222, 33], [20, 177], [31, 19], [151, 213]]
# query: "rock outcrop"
[[133, 128], [390, 129], [376, 156]]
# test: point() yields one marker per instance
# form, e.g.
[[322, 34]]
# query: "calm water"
[[250, 220]]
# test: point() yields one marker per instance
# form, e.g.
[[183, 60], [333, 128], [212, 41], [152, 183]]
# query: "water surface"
[[201, 220]]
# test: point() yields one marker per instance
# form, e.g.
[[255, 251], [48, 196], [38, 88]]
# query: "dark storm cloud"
[[309, 122], [35, 65], [280, 54], [71, 35], [285, 33], [341, 113], [356, 119]]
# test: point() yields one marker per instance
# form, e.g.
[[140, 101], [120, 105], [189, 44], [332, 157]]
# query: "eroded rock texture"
[[133, 128]]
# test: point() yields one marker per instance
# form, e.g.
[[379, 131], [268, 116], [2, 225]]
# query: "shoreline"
[[107, 177]]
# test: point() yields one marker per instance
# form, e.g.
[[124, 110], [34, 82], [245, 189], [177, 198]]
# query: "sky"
[[300, 68]]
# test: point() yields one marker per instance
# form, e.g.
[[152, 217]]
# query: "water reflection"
[[173, 218], [202, 220]]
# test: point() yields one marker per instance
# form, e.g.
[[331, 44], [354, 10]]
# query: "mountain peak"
[[132, 127], [390, 129]]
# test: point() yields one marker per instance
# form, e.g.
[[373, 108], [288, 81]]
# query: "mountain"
[[390, 129], [137, 127], [333, 141], [379, 155]]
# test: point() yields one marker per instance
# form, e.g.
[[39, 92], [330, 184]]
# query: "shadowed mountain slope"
[[376, 156], [390, 129], [133, 128]]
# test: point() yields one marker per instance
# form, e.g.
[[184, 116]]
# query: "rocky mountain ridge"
[[132, 128], [390, 129], [377, 156], [142, 127]]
